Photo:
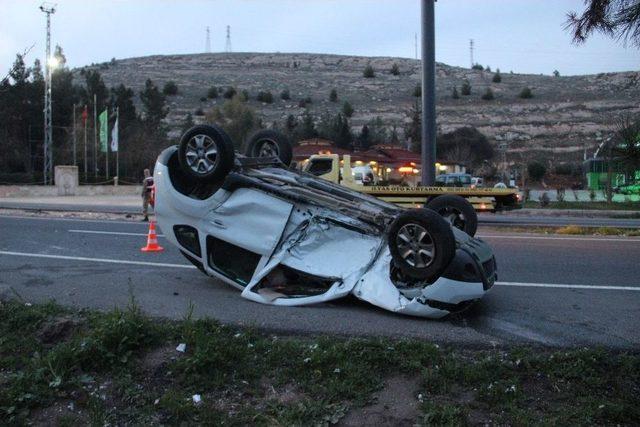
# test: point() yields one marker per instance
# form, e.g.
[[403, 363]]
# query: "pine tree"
[[347, 109], [497, 77], [466, 88], [153, 104], [333, 96], [488, 95], [170, 88], [395, 70]]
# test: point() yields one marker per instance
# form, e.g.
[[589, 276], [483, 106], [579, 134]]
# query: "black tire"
[[457, 211], [270, 143], [206, 153], [406, 240]]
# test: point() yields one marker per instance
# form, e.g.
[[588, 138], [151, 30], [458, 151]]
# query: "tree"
[[212, 93], [333, 95], [244, 95], [465, 144], [526, 93], [369, 72], [229, 92], [94, 85], [488, 95], [153, 105], [556, 73], [347, 109], [536, 170], [413, 126], [284, 95], [266, 97], [363, 140], [487, 69], [395, 70], [337, 129], [378, 133], [307, 127], [122, 98], [236, 118], [454, 93], [417, 91], [477, 67], [616, 18], [465, 90], [497, 77], [170, 88]]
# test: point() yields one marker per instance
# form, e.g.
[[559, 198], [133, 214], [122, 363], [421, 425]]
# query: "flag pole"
[[106, 142], [118, 147], [75, 159], [84, 119], [95, 136]]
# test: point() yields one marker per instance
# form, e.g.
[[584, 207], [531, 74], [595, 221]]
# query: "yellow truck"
[[457, 204]]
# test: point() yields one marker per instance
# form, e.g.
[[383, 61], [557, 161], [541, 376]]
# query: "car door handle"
[[218, 223]]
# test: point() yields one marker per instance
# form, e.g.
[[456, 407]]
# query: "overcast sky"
[[525, 36]]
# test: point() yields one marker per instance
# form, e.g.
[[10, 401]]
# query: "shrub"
[[284, 95], [477, 67], [198, 112], [212, 93], [347, 109], [265, 96], [203, 99], [487, 69], [556, 73], [395, 70], [369, 72], [417, 91], [170, 88], [454, 93], [488, 95], [497, 77], [244, 95], [563, 169], [544, 200], [333, 96], [536, 170], [230, 92], [304, 102], [466, 88], [526, 93]]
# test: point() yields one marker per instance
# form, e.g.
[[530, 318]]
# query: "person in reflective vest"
[[147, 188]]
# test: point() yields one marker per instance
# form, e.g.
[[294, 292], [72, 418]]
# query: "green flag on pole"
[[104, 132]]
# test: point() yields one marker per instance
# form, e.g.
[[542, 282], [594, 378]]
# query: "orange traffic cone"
[[152, 240]]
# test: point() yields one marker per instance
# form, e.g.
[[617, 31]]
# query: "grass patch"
[[107, 370], [600, 206]]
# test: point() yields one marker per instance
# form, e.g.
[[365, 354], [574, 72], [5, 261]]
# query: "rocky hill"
[[565, 116]]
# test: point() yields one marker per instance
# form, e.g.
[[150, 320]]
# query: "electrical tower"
[[207, 44], [471, 51], [48, 9], [227, 47]]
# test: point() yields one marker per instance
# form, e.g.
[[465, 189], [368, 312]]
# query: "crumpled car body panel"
[[289, 253]]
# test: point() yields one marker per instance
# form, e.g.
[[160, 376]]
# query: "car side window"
[[320, 167]]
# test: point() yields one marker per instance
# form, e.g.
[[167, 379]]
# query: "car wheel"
[[269, 143], [421, 243], [457, 211], [206, 153]]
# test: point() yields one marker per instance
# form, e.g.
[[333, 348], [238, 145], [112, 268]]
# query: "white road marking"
[[585, 239], [553, 285], [169, 265], [101, 221], [105, 260], [115, 233]]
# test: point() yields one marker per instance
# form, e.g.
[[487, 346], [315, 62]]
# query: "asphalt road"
[[559, 291]]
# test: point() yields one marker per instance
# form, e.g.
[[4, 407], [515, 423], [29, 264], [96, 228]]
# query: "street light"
[[53, 62]]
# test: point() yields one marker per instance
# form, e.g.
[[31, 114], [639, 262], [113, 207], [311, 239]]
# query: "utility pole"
[[471, 52], [227, 47], [75, 162], [207, 43], [48, 9], [428, 152], [84, 120], [95, 136]]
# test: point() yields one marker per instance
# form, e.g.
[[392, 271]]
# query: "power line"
[[227, 47], [207, 43], [48, 9]]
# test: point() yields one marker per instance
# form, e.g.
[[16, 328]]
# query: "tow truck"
[[457, 204]]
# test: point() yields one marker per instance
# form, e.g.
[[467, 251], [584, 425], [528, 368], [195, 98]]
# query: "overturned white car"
[[285, 237]]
